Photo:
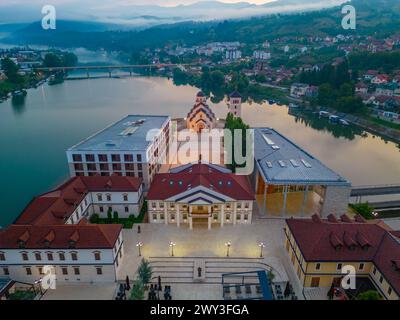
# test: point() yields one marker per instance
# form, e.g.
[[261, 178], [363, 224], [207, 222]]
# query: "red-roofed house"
[[197, 193], [319, 249], [52, 233]]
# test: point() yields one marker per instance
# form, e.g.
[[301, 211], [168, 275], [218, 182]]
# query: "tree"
[[116, 217], [369, 295], [51, 60], [137, 292], [69, 59], [11, 71], [145, 271], [109, 215]]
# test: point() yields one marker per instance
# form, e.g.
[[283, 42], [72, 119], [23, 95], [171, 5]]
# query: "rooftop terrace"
[[127, 134]]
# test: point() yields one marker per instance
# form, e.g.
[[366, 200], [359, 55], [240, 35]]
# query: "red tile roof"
[[349, 241], [166, 185], [54, 207], [60, 236]]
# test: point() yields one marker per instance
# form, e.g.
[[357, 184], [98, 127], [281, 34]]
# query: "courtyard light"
[[172, 245], [262, 246], [139, 245], [227, 245]]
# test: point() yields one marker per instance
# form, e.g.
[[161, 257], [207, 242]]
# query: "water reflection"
[[18, 104]]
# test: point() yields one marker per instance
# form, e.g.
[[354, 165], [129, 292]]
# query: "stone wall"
[[336, 200]]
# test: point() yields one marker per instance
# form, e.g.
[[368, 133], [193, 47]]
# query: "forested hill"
[[378, 17]]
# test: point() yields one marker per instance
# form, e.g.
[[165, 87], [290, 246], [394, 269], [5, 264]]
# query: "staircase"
[[184, 270]]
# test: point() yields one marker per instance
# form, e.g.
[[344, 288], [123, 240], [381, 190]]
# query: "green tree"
[[137, 292], [69, 59], [11, 71], [52, 60], [369, 295], [109, 215], [145, 271], [115, 217]]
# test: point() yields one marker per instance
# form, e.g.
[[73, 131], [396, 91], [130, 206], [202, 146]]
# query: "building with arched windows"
[[201, 117]]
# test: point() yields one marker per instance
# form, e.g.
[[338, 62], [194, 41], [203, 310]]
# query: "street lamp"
[[139, 245], [172, 245], [228, 245], [262, 246]]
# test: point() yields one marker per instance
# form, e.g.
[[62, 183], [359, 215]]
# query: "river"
[[35, 132]]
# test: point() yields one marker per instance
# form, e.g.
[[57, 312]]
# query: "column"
[[222, 215], [265, 200], [190, 223], [284, 200], [234, 214], [178, 218], [209, 222], [166, 212], [304, 201]]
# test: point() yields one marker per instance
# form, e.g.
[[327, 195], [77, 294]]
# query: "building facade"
[[235, 104], [200, 194], [135, 146], [201, 117], [290, 182], [320, 248]]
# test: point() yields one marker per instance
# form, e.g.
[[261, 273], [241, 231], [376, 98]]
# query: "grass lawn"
[[385, 123]]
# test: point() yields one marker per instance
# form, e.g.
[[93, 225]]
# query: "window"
[[89, 157], [238, 216], [389, 291], [117, 167], [246, 205], [99, 271], [24, 256], [99, 197], [6, 271], [102, 157], [2, 256], [153, 205], [108, 196], [64, 271], [126, 209], [139, 166], [228, 217], [361, 266], [162, 216], [162, 205], [38, 257], [239, 205], [125, 197], [129, 166], [380, 279], [74, 256], [77, 158], [318, 266], [61, 255], [139, 158], [28, 271], [49, 256], [77, 271], [91, 166], [128, 158], [97, 256], [154, 217], [104, 166], [101, 209], [246, 217], [374, 271], [40, 270], [115, 158], [140, 175], [78, 166], [339, 266]]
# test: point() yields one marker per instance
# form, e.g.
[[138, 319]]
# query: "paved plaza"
[[84, 291]]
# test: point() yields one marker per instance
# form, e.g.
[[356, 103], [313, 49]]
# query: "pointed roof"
[[235, 94], [200, 94]]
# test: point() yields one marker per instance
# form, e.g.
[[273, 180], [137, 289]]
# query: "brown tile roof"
[[349, 241], [60, 237], [54, 207], [166, 185]]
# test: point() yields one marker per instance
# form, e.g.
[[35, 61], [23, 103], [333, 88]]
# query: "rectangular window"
[[129, 166], [389, 291], [40, 270], [125, 197], [78, 166], [91, 166], [97, 256], [6, 271], [361, 266], [101, 209], [28, 271], [115, 158], [99, 271], [339, 266], [318, 266], [117, 167], [128, 158], [108, 197], [77, 271], [374, 271], [139, 158], [50, 256], [2, 256], [380, 279], [89, 157], [104, 166], [77, 157], [99, 197], [74, 256], [139, 166], [126, 209], [102, 158], [61, 256], [64, 271], [24, 256], [154, 217]]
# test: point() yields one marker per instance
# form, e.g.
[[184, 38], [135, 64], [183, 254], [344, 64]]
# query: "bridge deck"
[[375, 190]]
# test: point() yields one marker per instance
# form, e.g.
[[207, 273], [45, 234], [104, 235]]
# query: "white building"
[[233, 54], [261, 55], [201, 117], [298, 89], [134, 146], [200, 194]]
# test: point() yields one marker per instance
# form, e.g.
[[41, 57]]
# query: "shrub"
[[137, 292], [363, 209], [94, 218], [145, 272], [369, 295], [116, 217], [109, 215]]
